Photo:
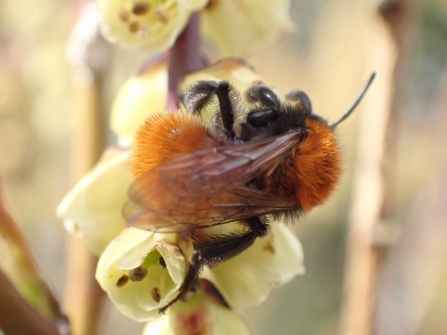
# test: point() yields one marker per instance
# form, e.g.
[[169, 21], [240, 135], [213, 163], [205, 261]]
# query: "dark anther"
[[162, 262], [138, 274]]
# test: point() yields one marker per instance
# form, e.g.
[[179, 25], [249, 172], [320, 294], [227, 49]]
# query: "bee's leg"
[[215, 249], [199, 95], [190, 282]]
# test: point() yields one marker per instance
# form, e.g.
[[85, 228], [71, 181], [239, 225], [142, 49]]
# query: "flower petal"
[[246, 280], [141, 96], [194, 5], [262, 23], [152, 24], [131, 272], [200, 315], [92, 209]]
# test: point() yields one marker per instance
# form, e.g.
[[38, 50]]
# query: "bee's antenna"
[[356, 102]]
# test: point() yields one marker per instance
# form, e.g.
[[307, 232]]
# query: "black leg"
[[199, 94], [215, 249]]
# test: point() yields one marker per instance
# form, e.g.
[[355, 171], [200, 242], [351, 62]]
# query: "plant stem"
[[40, 313], [185, 57], [83, 298], [371, 194], [17, 317]]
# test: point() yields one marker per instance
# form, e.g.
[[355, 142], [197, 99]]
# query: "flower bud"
[[262, 23]]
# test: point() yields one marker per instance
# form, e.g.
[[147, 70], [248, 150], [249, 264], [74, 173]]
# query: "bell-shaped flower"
[[203, 314], [92, 209], [246, 280], [140, 97], [142, 271], [152, 24], [254, 23]]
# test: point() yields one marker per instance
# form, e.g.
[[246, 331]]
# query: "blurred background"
[[332, 51]]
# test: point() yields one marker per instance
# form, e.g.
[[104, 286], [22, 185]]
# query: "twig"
[[83, 297], [40, 314], [418, 259], [17, 317], [370, 194], [185, 57]]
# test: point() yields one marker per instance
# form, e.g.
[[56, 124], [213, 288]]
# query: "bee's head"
[[269, 116]]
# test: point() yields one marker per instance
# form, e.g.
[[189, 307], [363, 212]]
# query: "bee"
[[266, 157]]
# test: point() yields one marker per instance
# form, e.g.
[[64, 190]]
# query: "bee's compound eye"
[[259, 119], [302, 99], [265, 96]]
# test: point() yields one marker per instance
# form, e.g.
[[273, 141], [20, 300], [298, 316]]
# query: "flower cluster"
[[155, 24], [142, 271]]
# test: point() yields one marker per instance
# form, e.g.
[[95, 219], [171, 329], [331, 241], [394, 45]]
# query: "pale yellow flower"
[[92, 210], [247, 280], [244, 25], [152, 24], [143, 95], [142, 271], [201, 315]]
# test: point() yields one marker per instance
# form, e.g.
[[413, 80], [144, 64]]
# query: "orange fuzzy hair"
[[165, 136], [318, 164], [311, 172]]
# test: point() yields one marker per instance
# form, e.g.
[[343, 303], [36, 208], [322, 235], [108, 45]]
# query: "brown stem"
[[38, 313], [83, 298], [17, 317], [185, 57], [371, 191]]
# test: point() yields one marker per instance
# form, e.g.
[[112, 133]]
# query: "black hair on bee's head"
[[263, 124]]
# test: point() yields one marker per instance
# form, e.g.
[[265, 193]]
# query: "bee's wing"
[[208, 187]]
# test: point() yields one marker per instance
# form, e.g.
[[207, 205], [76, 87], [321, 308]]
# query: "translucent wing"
[[209, 187]]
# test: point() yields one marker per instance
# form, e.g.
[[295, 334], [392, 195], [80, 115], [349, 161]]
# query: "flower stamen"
[[122, 281], [138, 274], [141, 8], [123, 15], [161, 14], [155, 293], [134, 27]]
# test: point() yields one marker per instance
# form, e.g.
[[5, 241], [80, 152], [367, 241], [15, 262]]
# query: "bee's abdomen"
[[311, 173], [318, 165]]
